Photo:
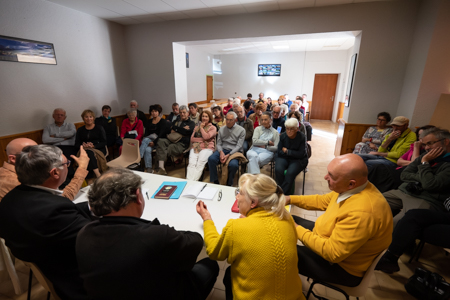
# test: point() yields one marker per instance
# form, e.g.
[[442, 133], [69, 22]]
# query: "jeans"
[[293, 167], [214, 160], [315, 266], [432, 226], [197, 162], [146, 152], [245, 147], [373, 160], [258, 157]]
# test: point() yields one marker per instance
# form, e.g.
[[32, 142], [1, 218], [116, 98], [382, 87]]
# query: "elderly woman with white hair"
[[292, 156], [264, 144], [132, 127], [261, 246], [284, 111]]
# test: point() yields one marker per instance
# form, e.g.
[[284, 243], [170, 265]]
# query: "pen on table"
[[203, 188], [147, 195]]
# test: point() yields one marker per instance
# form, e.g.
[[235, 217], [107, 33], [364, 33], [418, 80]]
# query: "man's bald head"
[[346, 172], [15, 147]]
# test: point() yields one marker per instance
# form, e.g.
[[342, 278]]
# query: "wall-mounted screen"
[[269, 70]]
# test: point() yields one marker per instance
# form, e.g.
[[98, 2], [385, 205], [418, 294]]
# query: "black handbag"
[[428, 285], [131, 135]]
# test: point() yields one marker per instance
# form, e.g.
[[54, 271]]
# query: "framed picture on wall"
[[27, 51], [351, 75]]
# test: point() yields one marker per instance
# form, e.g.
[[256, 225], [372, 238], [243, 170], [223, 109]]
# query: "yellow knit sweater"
[[351, 233], [262, 251]]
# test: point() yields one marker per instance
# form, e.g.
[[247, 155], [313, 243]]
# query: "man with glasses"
[[39, 225], [426, 180], [393, 147], [229, 142], [278, 121], [247, 124], [8, 176]]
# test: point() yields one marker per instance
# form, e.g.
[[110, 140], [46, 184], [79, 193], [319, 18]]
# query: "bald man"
[[355, 228], [8, 176]]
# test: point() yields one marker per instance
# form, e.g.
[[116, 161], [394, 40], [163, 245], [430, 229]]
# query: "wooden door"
[[324, 94], [209, 87]]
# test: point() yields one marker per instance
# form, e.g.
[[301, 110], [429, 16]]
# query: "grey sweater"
[[231, 139]]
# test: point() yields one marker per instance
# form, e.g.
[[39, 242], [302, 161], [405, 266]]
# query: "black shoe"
[[387, 266], [216, 182]]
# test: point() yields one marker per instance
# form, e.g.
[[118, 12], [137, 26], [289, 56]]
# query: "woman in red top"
[[228, 107], [255, 117], [132, 125]]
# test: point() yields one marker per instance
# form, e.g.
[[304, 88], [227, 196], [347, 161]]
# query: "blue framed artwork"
[[26, 51]]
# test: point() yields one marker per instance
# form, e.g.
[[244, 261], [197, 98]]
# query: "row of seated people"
[[121, 256], [412, 170]]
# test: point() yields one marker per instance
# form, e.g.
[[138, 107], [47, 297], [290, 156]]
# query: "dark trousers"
[[373, 160], [204, 275], [313, 265], [214, 160], [292, 167], [432, 226], [227, 284]]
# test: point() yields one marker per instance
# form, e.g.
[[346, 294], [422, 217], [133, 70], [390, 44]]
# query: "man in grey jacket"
[[426, 179], [229, 141]]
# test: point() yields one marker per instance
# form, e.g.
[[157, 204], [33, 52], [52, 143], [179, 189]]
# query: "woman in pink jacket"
[[203, 144]]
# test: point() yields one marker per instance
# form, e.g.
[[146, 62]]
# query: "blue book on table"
[[180, 187]]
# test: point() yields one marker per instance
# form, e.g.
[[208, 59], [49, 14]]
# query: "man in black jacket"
[[278, 121], [122, 256], [177, 140], [38, 224]]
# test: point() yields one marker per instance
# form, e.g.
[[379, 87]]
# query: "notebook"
[[200, 191], [180, 187]]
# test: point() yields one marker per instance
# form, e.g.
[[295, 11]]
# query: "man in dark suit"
[[122, 256], [38, 224]]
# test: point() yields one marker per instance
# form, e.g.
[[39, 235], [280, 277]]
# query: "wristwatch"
[[425, 163]]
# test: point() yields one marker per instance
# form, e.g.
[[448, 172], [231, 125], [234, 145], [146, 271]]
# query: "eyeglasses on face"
[[381, 120], [429, 144], [67, 163], [237, 191]]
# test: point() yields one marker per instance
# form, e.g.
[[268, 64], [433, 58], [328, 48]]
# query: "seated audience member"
[[293, 107], [156, 261], [355, 228], [417, 223], [219, 117], [265, 145], [426, 179], [287, 101], [277, 120], [256, 116], [39, 225], [248, 108], [175, 113], [229, 149], [8, 176], [62, 135], [304, 127], [132, 127], [247, 124], [139, 114], [292, 157], [228, 106], [249, 98], [177, 140], [305, 102], [299, 102], [203, 141], [281, 100], [251, 244], [261, 98], [386, 178], [236, 103], [284, 111], [154, 129], [109, 125], [193, 113], [374, 135], [394, 145], [269, 104], [93, 139]]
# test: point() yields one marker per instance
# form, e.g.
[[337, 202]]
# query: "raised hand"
[[202, 210], [83, 160]]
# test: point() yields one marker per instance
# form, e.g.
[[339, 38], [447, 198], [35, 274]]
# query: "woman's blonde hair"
[[87, 112], [264, 189]]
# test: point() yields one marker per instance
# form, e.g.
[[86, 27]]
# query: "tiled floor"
[[382, 286]]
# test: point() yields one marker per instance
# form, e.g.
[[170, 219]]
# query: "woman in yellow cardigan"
[[261, 245]]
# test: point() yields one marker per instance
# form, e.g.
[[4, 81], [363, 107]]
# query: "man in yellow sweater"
[[355, 228]]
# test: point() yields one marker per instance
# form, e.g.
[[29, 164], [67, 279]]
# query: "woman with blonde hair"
[[261, 246], [202, 146], [91, 137]]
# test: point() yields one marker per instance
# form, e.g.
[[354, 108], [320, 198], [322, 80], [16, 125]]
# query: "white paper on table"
[[195, 191]]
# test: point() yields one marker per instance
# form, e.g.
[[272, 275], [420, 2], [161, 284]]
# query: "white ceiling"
[[129, 12], [285, 43]]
